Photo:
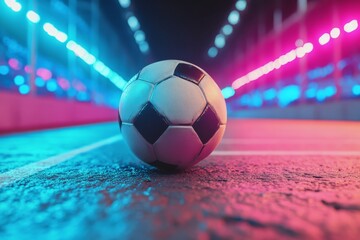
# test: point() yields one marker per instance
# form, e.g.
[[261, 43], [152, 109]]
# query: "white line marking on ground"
[[288, 141], [287, 153], [17, 174]]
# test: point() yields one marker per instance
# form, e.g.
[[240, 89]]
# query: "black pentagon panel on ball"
[[189, 72], [150, 123], [206, 125]]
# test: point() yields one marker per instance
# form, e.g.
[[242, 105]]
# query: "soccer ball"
[[172, 114]]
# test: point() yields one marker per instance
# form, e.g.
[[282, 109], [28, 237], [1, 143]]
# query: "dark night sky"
[[175, 29]]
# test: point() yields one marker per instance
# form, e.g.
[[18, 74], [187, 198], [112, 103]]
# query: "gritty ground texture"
[[108, 194]]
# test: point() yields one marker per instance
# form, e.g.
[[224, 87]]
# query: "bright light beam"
[[33, 16], [54, 32], [351, 26], [13, 5], [324, 39], [290, 56]]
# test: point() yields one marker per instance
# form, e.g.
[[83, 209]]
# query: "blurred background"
[[65, 62]]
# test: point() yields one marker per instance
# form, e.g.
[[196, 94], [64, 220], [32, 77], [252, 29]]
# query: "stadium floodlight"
[[33, 16], [228, 92], [234, 17], [13, 5], [220, 41], [241, 5], [324, 39], [227, 29], [212, 52], [351, 26], [139, 36], [335, 33], [54, 32], [125, 3], [133, 23], [144, 47]]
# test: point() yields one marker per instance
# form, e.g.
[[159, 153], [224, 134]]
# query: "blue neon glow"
[[82, 96], [330, 91], [321, 72], [101, 68], [125, 3], [220, 41], [33, 16], [234, 17], [19, 80], [320, 95], [342, 64], [310, 93], [4, 70], [39, 82], [270, 94], [256, 99], [51, 86], [144, 47], [241, 5], [356, 90], [133, 23], [81, 52], [244, 100], [288, 95], [212, 52], [139, 36], [325, 93], [228, 92], [54, 32], [227, 29], [13, 5], [24, 89]]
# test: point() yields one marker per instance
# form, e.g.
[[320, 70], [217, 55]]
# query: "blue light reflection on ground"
[[20, 149], [71, 199]]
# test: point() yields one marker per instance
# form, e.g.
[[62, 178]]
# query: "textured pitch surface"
[[267, 179]]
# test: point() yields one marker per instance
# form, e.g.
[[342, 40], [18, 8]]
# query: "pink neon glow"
[[351, 26], [308, 47], [14, 63], [272, 65], [299, 52], [324, 39], [44, 73], [335, 32], [63, 83]]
